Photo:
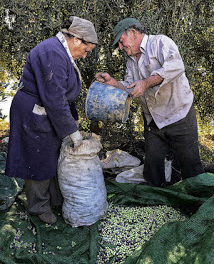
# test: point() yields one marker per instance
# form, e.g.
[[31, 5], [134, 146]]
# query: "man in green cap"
[[155, 74]]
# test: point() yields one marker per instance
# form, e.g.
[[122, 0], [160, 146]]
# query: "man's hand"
[[142, 85], [103, 77], [139, 88]]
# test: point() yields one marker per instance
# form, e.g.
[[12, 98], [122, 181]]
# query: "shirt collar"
[[143, 43], [63, 40]]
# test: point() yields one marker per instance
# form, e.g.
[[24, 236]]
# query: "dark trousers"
[[180, 137], [41, 195]]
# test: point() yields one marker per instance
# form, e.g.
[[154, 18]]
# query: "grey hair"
[[138, 28]]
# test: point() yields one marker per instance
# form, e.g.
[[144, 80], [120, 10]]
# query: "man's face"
[[127, 43]]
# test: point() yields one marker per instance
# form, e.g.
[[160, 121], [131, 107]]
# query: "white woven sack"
[[81, 182], [135, 175], [118, 158]]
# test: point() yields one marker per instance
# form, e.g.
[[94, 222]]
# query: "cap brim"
[[117, 38]]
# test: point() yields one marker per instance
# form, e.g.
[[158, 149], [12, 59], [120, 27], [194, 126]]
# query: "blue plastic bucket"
[[107, 103]]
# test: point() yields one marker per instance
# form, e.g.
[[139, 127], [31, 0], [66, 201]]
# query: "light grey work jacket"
[[170, 101]]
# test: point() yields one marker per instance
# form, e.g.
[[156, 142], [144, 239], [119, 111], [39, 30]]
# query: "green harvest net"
[[25, 239]]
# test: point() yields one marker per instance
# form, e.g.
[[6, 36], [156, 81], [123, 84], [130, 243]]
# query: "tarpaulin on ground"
[[9, 187], [25, 239]]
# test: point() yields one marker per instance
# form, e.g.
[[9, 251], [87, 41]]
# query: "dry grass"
[[4, 128], [206, 149]]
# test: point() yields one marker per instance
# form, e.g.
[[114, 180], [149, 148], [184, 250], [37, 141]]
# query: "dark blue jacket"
[[49, 82]]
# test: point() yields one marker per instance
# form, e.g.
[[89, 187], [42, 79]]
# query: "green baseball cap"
[[122, 26]]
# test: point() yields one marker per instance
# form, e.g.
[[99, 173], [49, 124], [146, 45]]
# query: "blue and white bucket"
[[107, 103]]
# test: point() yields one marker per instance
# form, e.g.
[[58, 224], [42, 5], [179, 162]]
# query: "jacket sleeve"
[[53, 83], [74, 110]]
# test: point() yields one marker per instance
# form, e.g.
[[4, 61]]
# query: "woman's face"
[[79, 48]]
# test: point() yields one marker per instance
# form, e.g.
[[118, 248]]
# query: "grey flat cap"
[[82, 28]]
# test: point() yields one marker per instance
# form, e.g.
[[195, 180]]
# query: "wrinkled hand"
[[103, 77], [74, 138], [139, 88]]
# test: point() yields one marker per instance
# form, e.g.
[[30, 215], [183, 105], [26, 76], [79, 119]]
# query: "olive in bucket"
[[107, 103]]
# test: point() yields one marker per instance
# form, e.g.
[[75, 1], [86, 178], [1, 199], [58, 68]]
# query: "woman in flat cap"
[[43, 113]]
